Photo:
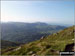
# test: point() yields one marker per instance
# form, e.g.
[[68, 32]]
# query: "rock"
[[70, 33], [55, 51], [73, 31], [31, 52], [42, 37], [72, 39], [33, 55], [52, 50], [17, 48], [69, 47]]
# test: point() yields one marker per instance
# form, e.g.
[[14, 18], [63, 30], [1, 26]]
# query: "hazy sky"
[[38, 11]]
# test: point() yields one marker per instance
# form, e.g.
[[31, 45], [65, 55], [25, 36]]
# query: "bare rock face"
[[69, 47]]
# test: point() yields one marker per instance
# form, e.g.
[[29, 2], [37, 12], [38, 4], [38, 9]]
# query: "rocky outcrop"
[[69, 47]]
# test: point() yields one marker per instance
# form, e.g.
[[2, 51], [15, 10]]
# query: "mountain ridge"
[[26, 32]]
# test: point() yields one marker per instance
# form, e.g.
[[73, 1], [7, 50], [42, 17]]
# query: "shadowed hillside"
[[27, 32], [6, 44]]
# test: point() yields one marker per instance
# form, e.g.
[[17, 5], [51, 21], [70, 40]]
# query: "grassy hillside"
[[48, 45], [7, 44]]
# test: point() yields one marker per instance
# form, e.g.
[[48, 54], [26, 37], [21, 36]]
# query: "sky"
[[56, 12]]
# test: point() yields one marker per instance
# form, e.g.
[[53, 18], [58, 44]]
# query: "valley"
[[27, 32], [49, 45]]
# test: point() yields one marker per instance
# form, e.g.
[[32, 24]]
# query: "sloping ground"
[[6, 44], [48, 45]]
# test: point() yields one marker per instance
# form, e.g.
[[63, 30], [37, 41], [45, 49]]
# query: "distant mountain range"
[[48, 45], [27, 32]]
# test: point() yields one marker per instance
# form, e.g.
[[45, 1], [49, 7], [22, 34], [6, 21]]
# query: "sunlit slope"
[[51, 44]]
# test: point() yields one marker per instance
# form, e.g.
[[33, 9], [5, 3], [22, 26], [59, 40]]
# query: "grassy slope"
[[8, 44], [51, 44]]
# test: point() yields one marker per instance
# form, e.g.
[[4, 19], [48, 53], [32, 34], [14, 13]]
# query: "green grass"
[[56, 42]]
